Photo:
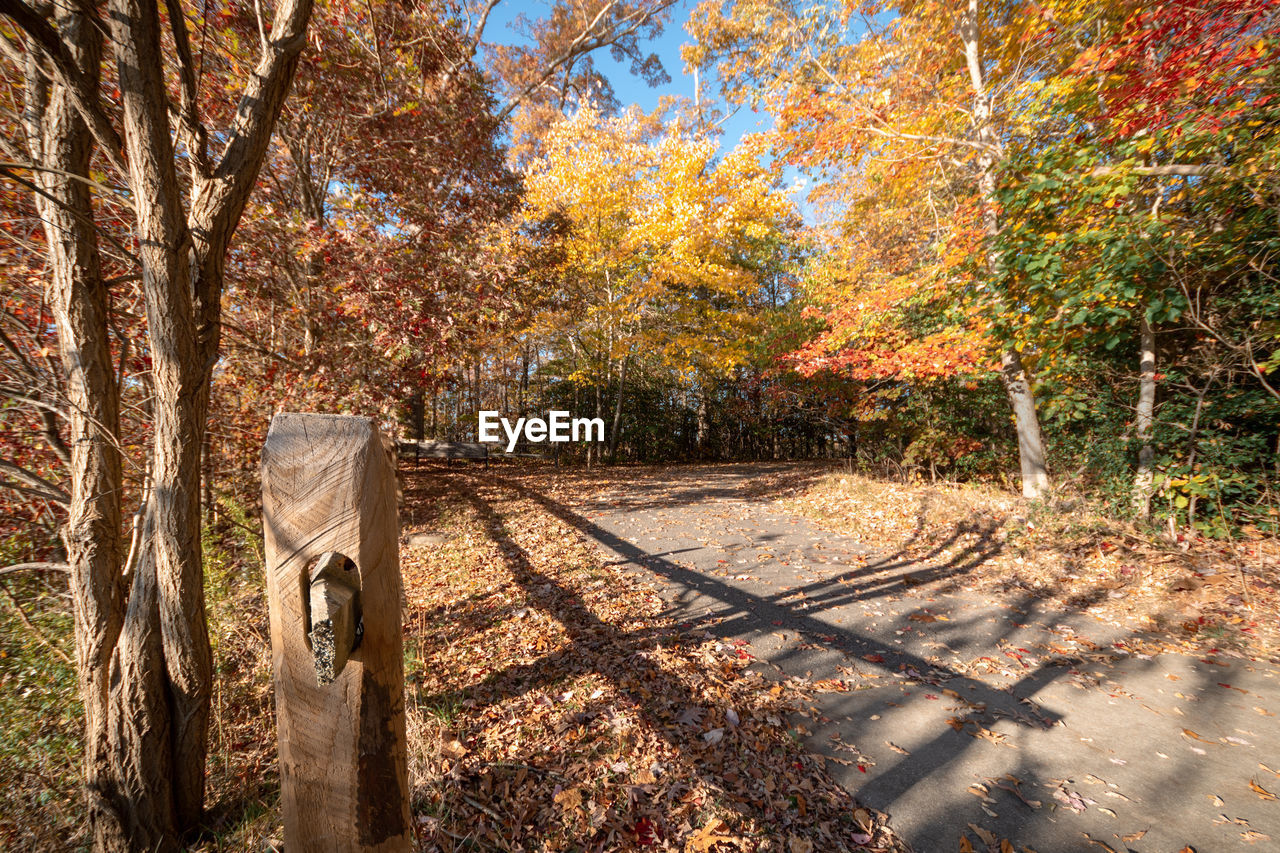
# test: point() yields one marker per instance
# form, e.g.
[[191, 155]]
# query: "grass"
[[39, 741]]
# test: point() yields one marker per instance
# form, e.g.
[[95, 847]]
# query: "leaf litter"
[[553, 706]]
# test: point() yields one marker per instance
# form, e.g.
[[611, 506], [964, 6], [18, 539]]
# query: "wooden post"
[[333, 585]]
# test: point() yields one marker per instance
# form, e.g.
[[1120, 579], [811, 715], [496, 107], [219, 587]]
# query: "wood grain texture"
[[329, 485]]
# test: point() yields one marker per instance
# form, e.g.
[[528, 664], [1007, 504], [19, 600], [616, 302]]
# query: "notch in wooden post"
[[334, 610]]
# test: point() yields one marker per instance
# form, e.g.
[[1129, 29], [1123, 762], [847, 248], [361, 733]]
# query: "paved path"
[[1037, 725]]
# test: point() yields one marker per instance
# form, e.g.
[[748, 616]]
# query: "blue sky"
[[632, 90]]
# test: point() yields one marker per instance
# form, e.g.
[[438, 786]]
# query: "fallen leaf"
[[988, 838], [453, 749], [1261, 791], [569, 798], [714, 832], [796, 844]]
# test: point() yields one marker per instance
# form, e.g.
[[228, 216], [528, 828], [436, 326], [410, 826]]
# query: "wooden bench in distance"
[[445, 450]]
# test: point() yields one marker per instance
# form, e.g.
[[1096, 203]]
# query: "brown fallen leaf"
[[1194, 736], [966, 846], [569, 799], [988, 838], [1253, 836], [453, 748], [1261, 791], [1133, 836], [1104, 845], [714, 832], [796, 844], [994, 737], [896, 748]]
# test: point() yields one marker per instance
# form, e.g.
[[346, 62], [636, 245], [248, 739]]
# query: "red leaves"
[[1185, 62]]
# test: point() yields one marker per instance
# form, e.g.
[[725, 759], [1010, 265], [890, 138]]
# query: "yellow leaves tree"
[[660, 242]]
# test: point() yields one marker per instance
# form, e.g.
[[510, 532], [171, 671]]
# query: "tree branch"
[[35, 567], [585, 43], [35, 482], [1185, 170], [188, 111], [69, 75]]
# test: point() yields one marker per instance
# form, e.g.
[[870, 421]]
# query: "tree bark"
[[702, 426], [58, 138], [617, 411], [1144, 477], [144, 669], [1035, 476]]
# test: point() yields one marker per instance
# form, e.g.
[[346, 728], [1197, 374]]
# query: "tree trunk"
[[58, 139], [617, 412], [1031, 455], [144, 669], [1193, 440], [1143, 479], [1035, 474], [593, 449], [702, 427], [178, 302]]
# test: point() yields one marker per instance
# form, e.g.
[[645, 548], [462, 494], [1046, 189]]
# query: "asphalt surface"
[[958, 713]]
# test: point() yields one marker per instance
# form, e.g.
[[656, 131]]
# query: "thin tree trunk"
[[1193, 439], [524, 379], [1035, 474], [58, 138], [1143, 479], [617, 412], [702, 428], [1031, 455], [594, 447]]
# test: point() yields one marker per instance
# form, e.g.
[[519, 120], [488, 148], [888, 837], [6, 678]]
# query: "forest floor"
[[753, 657], [989, 685]]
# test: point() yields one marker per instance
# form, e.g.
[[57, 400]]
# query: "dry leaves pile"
[[1194, 595], [552, 707]]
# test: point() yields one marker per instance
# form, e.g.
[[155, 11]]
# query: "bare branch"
[[35, 482], [83, 92], [585, 43], [1185, 170], [35, 567], [188, 108]]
